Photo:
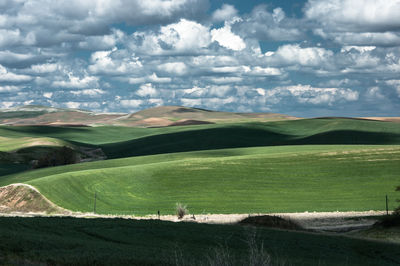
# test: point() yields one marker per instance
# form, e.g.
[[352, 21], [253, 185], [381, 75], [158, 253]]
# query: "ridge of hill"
[[153, 117]]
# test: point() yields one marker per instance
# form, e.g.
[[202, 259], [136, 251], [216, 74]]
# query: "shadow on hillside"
[[350, 137], [195, 140], [44, 131], [238, 137]]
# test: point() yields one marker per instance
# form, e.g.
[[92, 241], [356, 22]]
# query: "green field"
[[245, 180], [286, 166], [69, 241], [118, 142], [310, 165]]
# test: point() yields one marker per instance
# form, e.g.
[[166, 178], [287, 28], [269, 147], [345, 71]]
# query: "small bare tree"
[[181, 210]]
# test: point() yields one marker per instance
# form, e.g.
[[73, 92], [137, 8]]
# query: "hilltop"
[[152, 117]]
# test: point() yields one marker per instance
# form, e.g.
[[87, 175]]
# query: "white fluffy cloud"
[[132, 103], [360, 15], [184, 36], [48, 95], [294, 54], [226, 12], [177, 52], [9, 88], [146, 90], [226, 38], [177, 68], [364, 22], [44, 68], [395, 83], [7, 76], [150, 78], [75, 82], [374, 93], [308, 94], [89, 92], [265, 25], [114, 62]]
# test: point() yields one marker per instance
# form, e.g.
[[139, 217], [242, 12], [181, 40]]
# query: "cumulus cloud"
[[225, 80], [151, 78], [226, 38], [294, 54], [44, 68], [307, 94], [226, 12], [75, 82], [82, 105], [132, 103], [48, 95], [114, 62], [209, 91], [361, 15], [66, 52], [395, 83], [52, 22], [146, 90], [7, 76], [9, 88], [262, 24], [89, 92], [184, 36], [265, 71], [177, 68], [374, 93], [365, 22]]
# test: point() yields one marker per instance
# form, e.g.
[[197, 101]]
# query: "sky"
[[304, 58]]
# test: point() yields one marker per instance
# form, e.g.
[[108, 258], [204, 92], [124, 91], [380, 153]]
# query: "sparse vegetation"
[[62, 156], [271, 222], [181, 210]]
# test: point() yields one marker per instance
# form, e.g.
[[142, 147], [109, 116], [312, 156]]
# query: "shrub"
[[181, 210]]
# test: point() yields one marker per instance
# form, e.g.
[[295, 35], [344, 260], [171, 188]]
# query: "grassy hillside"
[[117, 241], [250, 180], [118, 142], [14, 144]]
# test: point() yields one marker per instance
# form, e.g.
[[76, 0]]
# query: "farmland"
[[120, 241], [236, 165]]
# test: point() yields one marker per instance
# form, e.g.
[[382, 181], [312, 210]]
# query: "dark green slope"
[[69, 241], [118, 142], [300, 132]]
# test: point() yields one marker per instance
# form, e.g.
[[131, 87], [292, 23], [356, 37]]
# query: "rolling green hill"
[[247, 180], [118, 142], [298, 165]]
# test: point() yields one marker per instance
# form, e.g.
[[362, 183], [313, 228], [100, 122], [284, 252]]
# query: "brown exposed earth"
[[385, 119], [24, 198]]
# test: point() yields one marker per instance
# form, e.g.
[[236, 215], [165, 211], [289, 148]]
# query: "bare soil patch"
[[22, 198]]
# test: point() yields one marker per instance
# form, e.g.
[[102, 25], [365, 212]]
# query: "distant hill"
[[153, 117]]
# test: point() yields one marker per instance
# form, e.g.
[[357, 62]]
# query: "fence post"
[[94, 207], [387, 207]]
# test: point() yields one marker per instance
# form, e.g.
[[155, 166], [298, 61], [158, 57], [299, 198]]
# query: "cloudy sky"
[[304, 58]]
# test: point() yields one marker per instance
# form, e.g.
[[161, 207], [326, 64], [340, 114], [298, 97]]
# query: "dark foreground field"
[[52, 241]]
